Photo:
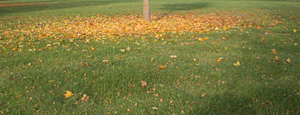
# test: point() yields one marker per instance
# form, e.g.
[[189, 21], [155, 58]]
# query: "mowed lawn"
[[196, 57]]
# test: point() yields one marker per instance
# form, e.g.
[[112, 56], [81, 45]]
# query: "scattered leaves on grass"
[[102, 27]]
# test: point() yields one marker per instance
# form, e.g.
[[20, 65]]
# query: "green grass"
[[34, 82]]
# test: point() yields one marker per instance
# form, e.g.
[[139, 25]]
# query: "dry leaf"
[[105, 61], [238, 63], [219, 59], [276, 58], [128, 49], [162, 67], [161, 100], [154, 108], [122, 50], [68, 94], [274, 51], [288, 60], [173, 56], [203, 94], [144, 83]]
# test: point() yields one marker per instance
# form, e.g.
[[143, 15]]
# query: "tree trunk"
[[147, 15]]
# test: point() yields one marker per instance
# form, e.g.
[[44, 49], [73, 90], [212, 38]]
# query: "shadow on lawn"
[[273, 89], [54, 6], [184, 6], [261, 100]]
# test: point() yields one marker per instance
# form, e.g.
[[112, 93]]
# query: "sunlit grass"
[[240, 62]]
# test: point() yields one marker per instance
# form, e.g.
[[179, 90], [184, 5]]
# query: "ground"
[[194, 57]]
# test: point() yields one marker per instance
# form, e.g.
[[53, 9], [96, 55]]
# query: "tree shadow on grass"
[[260, 100], [255, 88], [54, 6], [184, 6]]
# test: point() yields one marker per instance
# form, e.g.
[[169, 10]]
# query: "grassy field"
[[197, 57]]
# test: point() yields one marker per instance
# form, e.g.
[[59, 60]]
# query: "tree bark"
[[147, 15]]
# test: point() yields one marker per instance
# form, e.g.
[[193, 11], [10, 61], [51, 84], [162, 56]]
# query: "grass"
[[34, 82]]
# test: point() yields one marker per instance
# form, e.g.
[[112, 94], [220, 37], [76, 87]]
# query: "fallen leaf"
[[154, 108], [152, 59], [219, 59], [203, 94], [238, 63], [128, 49], [276, 58], [84, 98], [173, 56], [105, 61], [161, 100], [288, 60], [162, 67], [68, 94], [144, 83], [122, 50], [182, 111], [274, 51]]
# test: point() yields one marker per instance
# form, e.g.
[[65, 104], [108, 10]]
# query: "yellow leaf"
[[200, 39], [238, 63], [274, 51], [162, 67], [152, 59], [224, 38], [68, 94], [122, 56], [122, 50]]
